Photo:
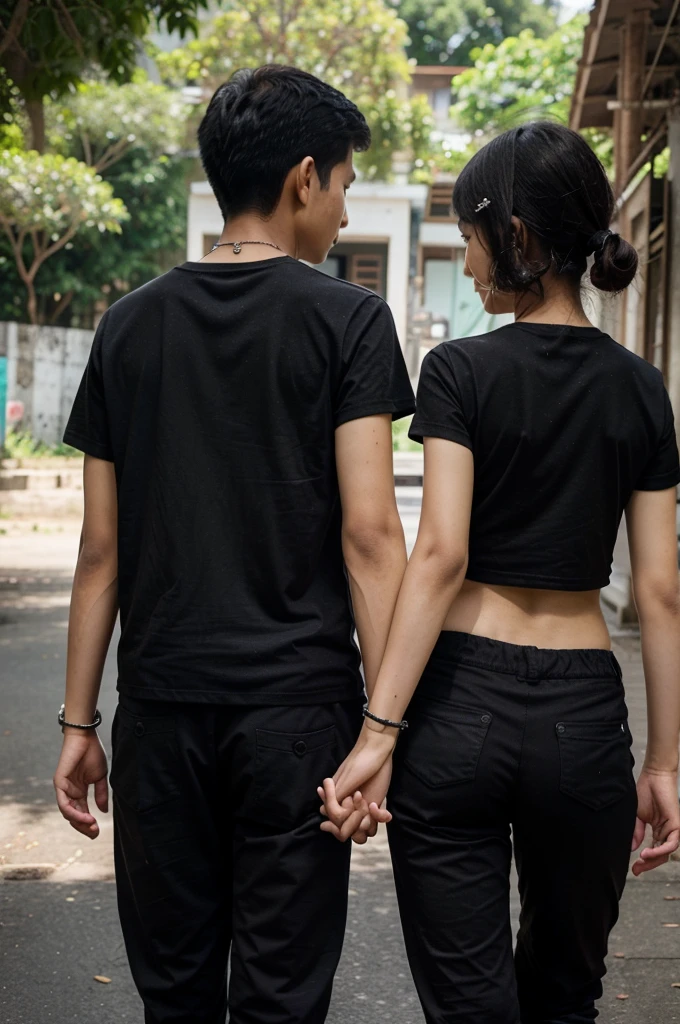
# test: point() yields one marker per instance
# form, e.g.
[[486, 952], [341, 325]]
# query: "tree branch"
[[64, 301], [17, 22]]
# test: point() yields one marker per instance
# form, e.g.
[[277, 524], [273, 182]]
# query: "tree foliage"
[[100, 122], [48, 46], [523, 78], [448, 31], [358, 46], [44, 201]]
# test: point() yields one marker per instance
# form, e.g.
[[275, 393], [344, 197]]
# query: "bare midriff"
[[538, 618]]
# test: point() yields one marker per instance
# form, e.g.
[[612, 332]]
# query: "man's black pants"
[[502, 736], [219, 853]]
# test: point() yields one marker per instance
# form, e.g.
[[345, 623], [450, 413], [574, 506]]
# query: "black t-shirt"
[[216, 390], [564, 424]]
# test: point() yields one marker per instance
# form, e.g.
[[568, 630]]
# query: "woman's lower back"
[[539, 618]]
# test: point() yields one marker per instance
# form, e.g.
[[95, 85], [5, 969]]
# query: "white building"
[[403, 243]]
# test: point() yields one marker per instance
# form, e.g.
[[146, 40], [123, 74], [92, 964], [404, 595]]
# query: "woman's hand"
[[82, 764], [657, 806], [359, 786], [358, 816]]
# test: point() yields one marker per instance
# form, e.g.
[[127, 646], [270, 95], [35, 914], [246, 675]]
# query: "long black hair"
[[548, 176]]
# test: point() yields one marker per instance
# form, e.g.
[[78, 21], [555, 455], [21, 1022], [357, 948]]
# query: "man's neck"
[[249, 239]]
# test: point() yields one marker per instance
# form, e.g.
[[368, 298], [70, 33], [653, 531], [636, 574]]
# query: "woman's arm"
[[432, 580], [651, 521]]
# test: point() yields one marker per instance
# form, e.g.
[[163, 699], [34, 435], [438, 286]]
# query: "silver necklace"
[[237, 245]]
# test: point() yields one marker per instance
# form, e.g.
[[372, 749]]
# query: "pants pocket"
[[288, 768], [596, 764], [444, 741], [145, 766]]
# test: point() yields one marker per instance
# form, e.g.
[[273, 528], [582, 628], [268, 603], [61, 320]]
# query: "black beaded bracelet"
[[75, 725], [385, 721]]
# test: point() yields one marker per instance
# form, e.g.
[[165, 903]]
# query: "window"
[[367, 269], [439, 201]]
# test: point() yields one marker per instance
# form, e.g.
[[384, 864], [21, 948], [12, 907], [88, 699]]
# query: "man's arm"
[[94, 607], [372, 535]]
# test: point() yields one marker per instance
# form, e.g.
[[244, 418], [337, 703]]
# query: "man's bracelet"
[[76, 725], [385, 721]]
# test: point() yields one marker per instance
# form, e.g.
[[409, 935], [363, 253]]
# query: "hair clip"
[[484, 202]]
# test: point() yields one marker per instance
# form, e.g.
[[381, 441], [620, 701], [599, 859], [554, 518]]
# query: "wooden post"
[[629, 121]]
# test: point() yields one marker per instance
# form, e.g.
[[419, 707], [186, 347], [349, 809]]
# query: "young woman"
[[537, 436]]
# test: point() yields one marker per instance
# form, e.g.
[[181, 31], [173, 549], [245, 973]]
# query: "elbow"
[[443, 560], [98, 556], [371, 540], [655, 598]]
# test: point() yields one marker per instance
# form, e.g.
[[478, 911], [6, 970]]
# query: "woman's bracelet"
[[385, 721], [75, 725]]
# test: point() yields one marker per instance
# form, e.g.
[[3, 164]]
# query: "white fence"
[[44, 367]]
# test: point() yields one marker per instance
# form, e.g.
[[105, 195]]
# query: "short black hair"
[[263, 122], [548, 176]]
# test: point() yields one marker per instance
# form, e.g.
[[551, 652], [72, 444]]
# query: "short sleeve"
[[374, 378], [88, 427], [663, 467], [439, 409]]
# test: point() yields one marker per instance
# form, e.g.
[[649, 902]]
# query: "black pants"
[[218, 851], [503, 736]]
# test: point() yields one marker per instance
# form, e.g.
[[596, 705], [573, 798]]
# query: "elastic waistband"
[[523, 661]]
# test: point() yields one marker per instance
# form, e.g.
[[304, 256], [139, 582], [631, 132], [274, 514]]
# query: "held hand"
[[657, 806], [344, 803], [82, 764], [374, 793]]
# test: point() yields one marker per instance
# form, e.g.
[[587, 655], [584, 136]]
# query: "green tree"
[[357, 46], [44, 201], [49, 46], [101, 122], [447, 32], [523, 78]]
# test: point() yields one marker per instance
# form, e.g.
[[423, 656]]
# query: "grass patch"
[[24, 446], [401, 442]]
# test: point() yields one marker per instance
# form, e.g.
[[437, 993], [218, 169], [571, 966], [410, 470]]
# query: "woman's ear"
[[520, 235]]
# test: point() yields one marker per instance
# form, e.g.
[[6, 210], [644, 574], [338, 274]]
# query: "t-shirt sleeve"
[[88, 426], [374, 378], [663, 467], [439, 409]]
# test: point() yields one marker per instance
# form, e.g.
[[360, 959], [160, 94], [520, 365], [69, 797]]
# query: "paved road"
[[55, 935]]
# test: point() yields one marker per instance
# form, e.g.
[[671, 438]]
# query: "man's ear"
[[304, 173]]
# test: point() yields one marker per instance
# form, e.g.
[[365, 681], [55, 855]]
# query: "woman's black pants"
[[501, 737]]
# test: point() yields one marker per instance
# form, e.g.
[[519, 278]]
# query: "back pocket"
[[444, 742], [145, 765], [596, 765], [288, 768]]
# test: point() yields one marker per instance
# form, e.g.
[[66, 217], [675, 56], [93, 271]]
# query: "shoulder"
[[140, 302], [461, 351], [314, 283]]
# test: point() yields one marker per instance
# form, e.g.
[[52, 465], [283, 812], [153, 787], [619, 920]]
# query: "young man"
[[236, 419]]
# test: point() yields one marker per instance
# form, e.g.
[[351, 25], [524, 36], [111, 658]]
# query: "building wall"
[[44, 368]]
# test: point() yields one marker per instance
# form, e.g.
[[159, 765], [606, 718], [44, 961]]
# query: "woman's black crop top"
[[564, 424]]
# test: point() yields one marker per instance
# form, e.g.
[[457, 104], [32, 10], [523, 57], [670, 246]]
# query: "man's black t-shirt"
[[564, 424], [216, 391]]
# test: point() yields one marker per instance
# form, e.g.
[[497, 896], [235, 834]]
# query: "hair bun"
[[615, 265]]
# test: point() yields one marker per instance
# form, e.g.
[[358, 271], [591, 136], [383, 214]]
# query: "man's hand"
[[82, 764], [657, 806], [369, 803]]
